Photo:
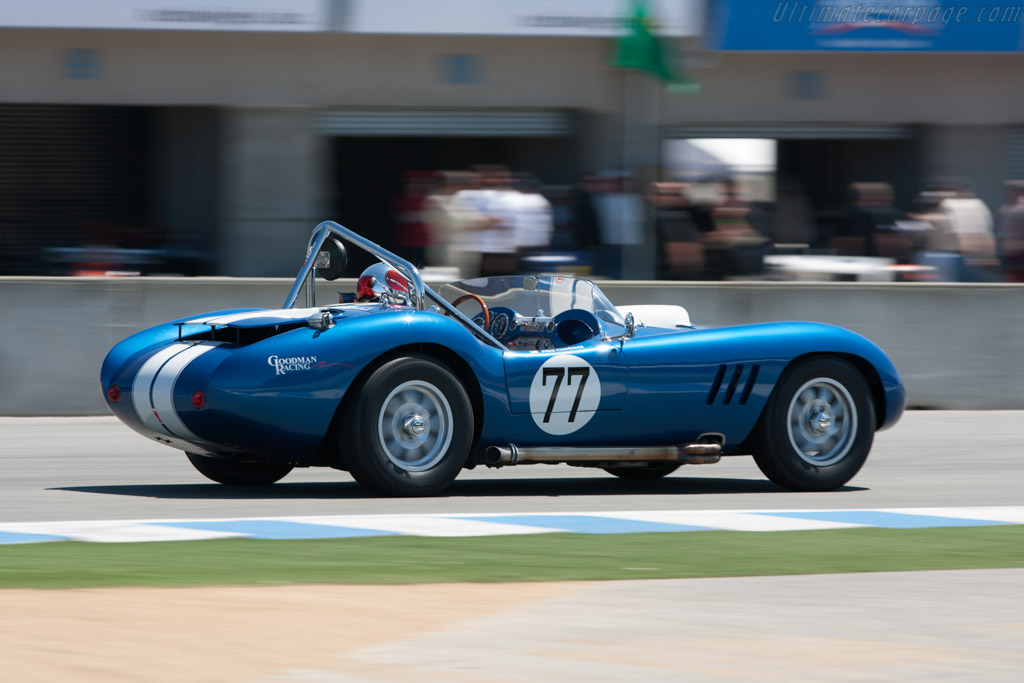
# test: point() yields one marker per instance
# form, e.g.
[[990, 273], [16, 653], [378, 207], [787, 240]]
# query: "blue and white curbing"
[[503, 524]]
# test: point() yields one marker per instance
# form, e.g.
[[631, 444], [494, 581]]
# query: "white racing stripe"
[[153, 393], [143, 385], [163, 391]]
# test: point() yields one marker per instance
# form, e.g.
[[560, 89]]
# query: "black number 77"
[[559, 374]]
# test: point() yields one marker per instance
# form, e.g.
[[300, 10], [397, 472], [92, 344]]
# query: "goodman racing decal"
[[283, 366]]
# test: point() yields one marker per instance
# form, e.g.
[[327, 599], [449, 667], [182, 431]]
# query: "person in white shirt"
[[453, 225], [972, 224], [534, 220], [494, 239], [470, 208]]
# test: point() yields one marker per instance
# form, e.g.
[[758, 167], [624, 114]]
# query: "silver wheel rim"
[[822, 422], [415, 426]]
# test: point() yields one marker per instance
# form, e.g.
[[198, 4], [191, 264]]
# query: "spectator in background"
[[411, 234], [731, 197], [494, 239], [972, 224], [534, 222], [585, 229], [869, 215], [794, 220], [1011, 232], [619, 210], [733, 246], [940, 238], [563, 217], [452, 226], [470, 205], [680, 251], [498, 250]]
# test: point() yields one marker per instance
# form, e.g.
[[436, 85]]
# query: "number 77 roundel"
[[564, 395]]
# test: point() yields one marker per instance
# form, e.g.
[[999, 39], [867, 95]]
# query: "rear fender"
[[264, 407]]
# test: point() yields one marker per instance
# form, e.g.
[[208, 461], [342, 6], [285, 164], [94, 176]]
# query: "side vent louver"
[[716, 385], [751, 379], [735, 376], [732, 384]]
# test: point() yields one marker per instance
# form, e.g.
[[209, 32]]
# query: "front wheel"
[[410, 430], [818, 426], [238, 473]]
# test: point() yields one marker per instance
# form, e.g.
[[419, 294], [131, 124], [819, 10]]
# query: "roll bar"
[[418, 295], [320, 234]]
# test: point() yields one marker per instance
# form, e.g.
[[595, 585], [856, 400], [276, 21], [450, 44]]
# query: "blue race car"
[[399, 386]]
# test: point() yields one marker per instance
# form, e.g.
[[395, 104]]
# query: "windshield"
[[542, 296]]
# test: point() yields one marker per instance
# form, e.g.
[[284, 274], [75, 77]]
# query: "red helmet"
[[380, 279]]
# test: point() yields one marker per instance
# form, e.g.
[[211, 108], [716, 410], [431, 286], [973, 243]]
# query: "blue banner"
[[865, 26]]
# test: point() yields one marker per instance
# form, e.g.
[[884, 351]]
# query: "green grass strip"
[[543, 557]]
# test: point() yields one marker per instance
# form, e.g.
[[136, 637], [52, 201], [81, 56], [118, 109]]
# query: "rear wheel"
[[238, 473], [818, 426], [655, 470], [410, 430]]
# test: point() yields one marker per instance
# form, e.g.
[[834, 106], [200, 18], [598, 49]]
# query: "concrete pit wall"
[[956, 346]]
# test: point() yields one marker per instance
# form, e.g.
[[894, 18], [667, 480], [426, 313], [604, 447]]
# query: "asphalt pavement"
[[927, 626], [95, 468]]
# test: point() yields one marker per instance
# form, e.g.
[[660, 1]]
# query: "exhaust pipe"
[[689, 454]]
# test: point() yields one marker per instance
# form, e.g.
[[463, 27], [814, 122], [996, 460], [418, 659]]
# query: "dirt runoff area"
[[227, 633], [961, 625]]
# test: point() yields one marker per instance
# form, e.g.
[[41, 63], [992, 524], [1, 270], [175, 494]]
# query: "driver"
[[379, 280]]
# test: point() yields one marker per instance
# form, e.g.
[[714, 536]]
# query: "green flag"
[[641, 49]]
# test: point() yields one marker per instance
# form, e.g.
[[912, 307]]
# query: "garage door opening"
[[797, 183]]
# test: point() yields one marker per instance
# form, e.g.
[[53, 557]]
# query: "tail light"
[[114, 393], [198, 400]]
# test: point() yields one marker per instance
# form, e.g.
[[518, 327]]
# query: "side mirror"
[[630, 325], [331, 259]]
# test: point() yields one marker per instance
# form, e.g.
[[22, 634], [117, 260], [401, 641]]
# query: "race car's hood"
[[280, 316], [248, 327], [260, 318]]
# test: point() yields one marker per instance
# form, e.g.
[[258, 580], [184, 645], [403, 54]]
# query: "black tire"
[[386, 453], [816, 430], [654, 470], [238, 473]]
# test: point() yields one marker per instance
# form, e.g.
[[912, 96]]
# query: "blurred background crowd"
[[493, 221], [666, 139]]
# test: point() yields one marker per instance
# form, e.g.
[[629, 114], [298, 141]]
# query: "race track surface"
[[923, 626], [93, 468]]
